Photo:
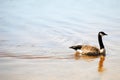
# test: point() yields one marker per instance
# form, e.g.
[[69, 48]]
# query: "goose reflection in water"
[[100, 65], [77, 56]]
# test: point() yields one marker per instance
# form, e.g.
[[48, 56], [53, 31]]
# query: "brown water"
[[35, 37]]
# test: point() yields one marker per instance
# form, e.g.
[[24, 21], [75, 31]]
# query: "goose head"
[[102, 33]]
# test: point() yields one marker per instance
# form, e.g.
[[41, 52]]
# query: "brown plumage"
[[91, 50]]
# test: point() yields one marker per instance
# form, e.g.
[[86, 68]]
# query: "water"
[[35, 37]]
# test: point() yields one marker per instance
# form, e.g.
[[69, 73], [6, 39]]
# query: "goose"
[[91, 50]]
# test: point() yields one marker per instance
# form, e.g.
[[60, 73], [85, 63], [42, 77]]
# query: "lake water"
[[35, 36]]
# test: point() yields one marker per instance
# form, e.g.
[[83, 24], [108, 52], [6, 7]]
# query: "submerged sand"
[[35, 67]]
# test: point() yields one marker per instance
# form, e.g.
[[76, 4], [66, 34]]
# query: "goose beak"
[[106, 34]]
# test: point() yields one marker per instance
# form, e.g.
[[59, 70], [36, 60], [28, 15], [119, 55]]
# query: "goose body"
[[91, 50]]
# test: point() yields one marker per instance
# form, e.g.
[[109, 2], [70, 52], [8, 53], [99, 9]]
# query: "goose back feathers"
[[91, 50]]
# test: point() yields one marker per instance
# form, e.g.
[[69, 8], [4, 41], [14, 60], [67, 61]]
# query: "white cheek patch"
[[101, 34]]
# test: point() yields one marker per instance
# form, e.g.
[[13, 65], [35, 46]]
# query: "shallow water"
[[35, 37]]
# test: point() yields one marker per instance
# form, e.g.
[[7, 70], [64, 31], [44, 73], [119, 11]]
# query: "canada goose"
[[91, 50]]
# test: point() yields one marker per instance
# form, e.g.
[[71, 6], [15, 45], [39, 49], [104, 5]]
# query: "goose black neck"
[[100, 41]]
